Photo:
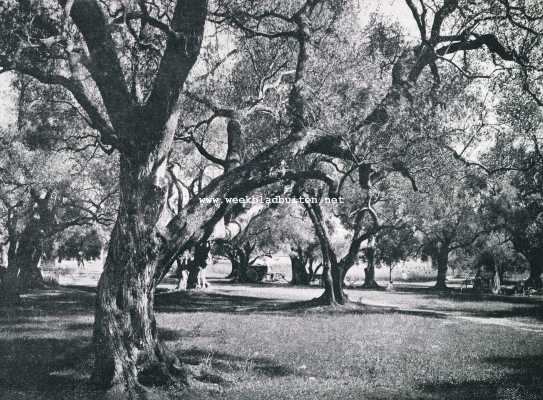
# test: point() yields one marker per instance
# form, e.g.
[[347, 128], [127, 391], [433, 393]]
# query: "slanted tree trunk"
[[329, 295]]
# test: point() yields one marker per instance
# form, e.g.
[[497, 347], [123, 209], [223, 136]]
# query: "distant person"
[[202, 275], [183, 265]]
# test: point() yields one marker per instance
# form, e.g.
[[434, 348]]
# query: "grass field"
[[265, 347]]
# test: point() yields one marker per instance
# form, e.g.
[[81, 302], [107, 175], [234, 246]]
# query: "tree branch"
[[181, 53], [104, 64]]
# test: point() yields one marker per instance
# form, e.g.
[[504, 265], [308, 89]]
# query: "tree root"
[[372, 285], [325, 300], [159, 381]]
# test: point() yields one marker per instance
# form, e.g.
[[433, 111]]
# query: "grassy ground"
[[268, 348]]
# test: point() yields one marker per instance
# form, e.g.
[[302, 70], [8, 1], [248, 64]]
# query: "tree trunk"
[[29, 254], [338, 277], [312, 272], [234, 274], [329, 295], [127, 350], [536, 269], [24, 254], [192, 279], [10, 281], [235, 269], [243, 268], [240, 264], [300, 275], [442, 264], [369, 271], [201, 252]]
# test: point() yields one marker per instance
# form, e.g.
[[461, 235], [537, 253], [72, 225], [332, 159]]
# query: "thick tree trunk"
[[442, 260], [24, 256], [127, 350], [300, 275]]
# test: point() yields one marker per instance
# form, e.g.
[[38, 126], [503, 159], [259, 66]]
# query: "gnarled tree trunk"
[[125, 333]]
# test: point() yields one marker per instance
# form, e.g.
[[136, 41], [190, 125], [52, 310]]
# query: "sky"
[[7, 101], [396, 9]]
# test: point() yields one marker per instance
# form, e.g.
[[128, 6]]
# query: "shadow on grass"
[[54, 368], [516, 306], [59, 302], [521, 379], [229, 363], [200, 301], [45, 348], [467, 295]]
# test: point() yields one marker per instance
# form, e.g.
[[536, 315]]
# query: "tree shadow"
[[54, 368], [535, 313], [58, 302], [521, 379], [467, 295], [46, 346], [200, 301], [229, 363]]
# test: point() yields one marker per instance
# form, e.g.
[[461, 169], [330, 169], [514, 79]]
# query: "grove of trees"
[[143, 119]]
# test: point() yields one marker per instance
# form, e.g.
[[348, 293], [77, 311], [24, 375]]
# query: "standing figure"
[[183, 266]]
